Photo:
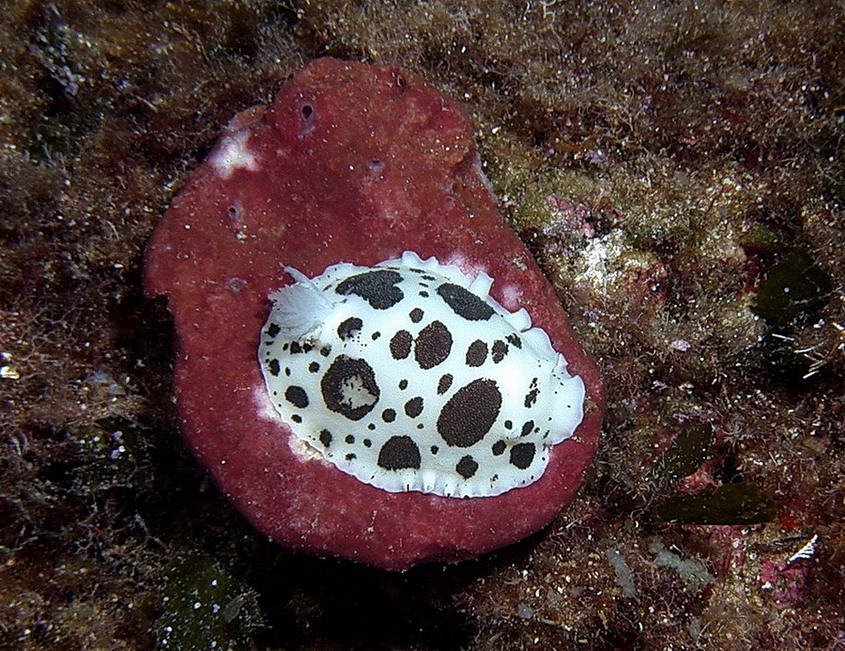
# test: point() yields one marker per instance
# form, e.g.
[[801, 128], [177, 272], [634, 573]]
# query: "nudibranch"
[[443, 390], [370, 365]]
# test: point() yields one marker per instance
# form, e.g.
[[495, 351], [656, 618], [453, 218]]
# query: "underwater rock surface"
[[350, 163]]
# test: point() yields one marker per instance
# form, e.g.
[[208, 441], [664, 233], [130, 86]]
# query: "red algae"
[[350, 163]]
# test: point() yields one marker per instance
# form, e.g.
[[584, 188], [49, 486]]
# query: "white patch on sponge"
[[511, 297], [266, 410], [232, 154]]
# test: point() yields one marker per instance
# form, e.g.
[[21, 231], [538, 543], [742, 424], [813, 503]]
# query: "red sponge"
[[351, 164]]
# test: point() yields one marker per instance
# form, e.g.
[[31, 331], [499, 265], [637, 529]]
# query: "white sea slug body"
[[409, 377]]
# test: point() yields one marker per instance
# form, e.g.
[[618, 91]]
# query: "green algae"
[[64, 133], [686, 453], [739, 503], [206, 606], [796, 287]]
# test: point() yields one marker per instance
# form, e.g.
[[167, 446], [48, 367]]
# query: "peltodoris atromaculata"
[[408, 376], [371, 365]]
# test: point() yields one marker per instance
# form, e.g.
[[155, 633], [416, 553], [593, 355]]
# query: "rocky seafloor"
[[675, 169]]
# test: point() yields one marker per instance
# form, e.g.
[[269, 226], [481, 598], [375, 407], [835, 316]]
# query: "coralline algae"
[[356, 165]]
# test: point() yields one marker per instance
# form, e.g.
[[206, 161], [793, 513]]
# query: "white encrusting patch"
[[511, 297], [410, 377], [267, 410], [232, 154]]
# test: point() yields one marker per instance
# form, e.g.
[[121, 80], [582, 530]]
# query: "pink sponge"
[[371, 365]]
